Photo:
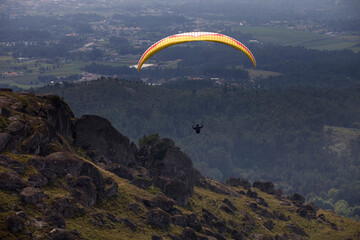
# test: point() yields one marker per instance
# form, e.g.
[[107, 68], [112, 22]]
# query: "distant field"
[[32, 69], [335, 43], [286, 36], [67, 69], [339, 138], [5, 58], [279, 35], [254, 73]]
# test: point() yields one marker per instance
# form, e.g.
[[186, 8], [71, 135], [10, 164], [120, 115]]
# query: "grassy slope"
[[202, 198]]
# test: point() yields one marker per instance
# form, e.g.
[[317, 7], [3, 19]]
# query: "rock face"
[[15, 223], [4, 140], [122, 171], [63, 163], [162, 202], [171, 169], [31, 195], [11, 182], [47, 118], [83, 190], [99, 137], [60, 115], [267, 186], [236, 182], [158, 218]]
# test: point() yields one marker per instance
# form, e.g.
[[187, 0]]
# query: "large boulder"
[[143, 183], [208, 217], [236, 182], [66, 206], [179, 220], [59, 114], [189, 234], [56, 220], [159, 201], [40, 142], [11, 182], [31, 195], [37, 162], [15, 223], [15, 127], [83, 190], [63, 163], [193, 222], [297, 198], [98, 136], [159, 218], [42, 126], [122, 171], [17, 166], [88, 169], [4, 139], [38, 180], [266, 186], [307, 211], [173, 167]]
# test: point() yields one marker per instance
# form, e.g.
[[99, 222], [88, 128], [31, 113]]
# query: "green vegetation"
[[148, 140]]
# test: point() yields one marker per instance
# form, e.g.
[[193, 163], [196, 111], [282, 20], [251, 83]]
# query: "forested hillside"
[[273, 135]]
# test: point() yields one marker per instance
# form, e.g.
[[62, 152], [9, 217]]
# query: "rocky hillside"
[[68, 178]]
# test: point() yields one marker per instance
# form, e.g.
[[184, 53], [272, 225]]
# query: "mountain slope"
[[78, 178]]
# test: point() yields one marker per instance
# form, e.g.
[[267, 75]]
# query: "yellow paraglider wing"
[[194, 36]]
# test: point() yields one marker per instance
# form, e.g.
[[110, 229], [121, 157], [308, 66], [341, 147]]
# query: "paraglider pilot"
[[197, 127]]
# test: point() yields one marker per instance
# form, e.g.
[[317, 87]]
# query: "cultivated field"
[[286, 36]]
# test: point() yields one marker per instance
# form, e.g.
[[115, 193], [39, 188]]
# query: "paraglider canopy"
[[194, 36]]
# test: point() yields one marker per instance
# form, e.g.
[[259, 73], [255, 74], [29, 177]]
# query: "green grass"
[[202, 198], [67, 69], [6, 58], [334, 44], [32, 71], [279, 35], [254, 73]]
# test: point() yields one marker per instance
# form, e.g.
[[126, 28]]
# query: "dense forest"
[[268, 134]]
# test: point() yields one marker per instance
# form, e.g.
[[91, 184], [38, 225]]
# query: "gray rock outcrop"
[[159, 218], [11, 182], [15, 223], [103, 141], [31, 195], [171, 169]]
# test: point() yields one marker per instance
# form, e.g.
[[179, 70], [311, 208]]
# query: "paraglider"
[[197, 127], [190, 37]]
